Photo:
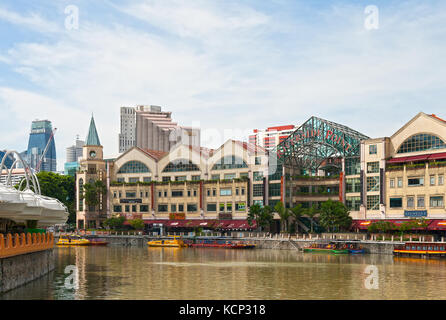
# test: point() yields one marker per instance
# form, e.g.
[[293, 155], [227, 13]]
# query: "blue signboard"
[[415, 213]]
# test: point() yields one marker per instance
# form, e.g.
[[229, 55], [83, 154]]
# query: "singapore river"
[[198, 274]]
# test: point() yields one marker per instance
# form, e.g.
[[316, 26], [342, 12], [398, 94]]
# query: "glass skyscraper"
[[38, 139], [9, 160]]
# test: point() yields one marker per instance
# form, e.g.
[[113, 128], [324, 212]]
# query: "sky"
[[223, 65]]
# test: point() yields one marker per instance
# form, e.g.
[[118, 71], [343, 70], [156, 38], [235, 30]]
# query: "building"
[[9, 161], [74, 154], [403, 175], [92, 168], [17, 175], [148, 127], [189, 184], [272, 136], [41, 133]]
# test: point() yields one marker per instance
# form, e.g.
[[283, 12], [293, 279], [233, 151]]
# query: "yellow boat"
[[167, 243], [72, 241]]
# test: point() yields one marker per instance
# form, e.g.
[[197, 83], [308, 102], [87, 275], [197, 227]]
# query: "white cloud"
[[33, 21]]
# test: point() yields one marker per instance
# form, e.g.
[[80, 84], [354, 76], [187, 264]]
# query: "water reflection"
[[173, 273]]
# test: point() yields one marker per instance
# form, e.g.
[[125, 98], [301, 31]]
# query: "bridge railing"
[[24, 243]]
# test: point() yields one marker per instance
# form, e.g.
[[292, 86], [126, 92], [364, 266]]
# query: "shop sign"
[[415, 213]]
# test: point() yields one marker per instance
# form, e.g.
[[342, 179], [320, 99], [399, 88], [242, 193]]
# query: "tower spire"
[[92, 138]]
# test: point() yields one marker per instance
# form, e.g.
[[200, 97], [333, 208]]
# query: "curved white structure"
[[20, 206]]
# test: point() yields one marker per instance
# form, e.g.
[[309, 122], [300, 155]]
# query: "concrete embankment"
[[21, 269], [374, 247]]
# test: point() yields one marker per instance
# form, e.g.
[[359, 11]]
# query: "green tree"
[[137, 224], [93, 191], [114, 222], [284, 215], [311, 213], [60, 187], [381, 226], [297, 212], [334, 216], [262, 215]]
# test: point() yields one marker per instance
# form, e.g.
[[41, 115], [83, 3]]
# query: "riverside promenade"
[[373, 244]]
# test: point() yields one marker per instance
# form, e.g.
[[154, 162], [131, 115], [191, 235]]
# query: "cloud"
[[32, 21], [227, 65]]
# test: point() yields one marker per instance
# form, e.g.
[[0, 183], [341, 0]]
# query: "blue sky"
[[226, 66]]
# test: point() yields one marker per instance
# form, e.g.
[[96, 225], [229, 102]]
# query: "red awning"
[[211, 224], [437, 156], [423, 157], [364, 224], [437, 225]]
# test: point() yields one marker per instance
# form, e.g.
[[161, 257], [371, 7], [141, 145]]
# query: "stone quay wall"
[[21, 269]]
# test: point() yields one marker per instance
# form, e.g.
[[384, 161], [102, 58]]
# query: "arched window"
[[421, 142], [229, 162], [181, 165], [134, 167]]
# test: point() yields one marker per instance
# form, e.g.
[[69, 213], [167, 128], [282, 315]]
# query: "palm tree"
[[297, 212], [284, 215], [311, 213]]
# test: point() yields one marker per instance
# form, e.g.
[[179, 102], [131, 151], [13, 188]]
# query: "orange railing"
[[21, 244]]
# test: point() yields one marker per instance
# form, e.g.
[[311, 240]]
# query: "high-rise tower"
[[41, 131]]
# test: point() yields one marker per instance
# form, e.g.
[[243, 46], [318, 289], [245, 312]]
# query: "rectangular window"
[[258, 160], [117, 208], [147, 194], [420, 202], [121, 180], [392, 183], [162, 208], [180, 178], [229, 176], [236, 191], [211, 207], [215, 177], [114, 194], [353, 203], [222, 207], [258, 175], [274, 189], [432, 180], [127, 208], [188, 193], [192, 207], [396, 202], [144, 208], [147, 179], [130, 194], [225, 192], [173, 208], [373, 149], [133, 180], [440, 180], [141, 194], [177, 193], [415, 182], [196, 178], [166, 179], [373, 183], [165, 193], [229, 207], [436, 202], [400, 182], [373, 167], [180, 207], [243, 191], [214, 192], [209, 192], [372, 202], [244, 175], [134, 208], [257, 190], [353, 185], [410, 202], [160, 194], [195, 193]]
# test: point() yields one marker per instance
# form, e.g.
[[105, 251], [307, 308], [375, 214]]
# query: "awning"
[[364, 224], [437, 225], [210, 223], [423, 157]]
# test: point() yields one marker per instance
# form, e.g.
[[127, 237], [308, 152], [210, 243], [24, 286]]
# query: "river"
[[195, 274]]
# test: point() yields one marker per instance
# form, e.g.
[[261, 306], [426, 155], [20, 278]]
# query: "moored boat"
[[98, 242], [72, 241], [328, 248], [175, 243], [421, 249]]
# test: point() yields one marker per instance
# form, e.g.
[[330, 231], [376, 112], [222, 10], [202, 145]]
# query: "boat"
[[73, 241], [354, 248], [219, 243], [328, 248], [175, 243], [98, 242], [421, 249]]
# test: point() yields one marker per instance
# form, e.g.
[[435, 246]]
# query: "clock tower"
[[92, 169]]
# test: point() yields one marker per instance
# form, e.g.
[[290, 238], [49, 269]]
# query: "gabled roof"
[[92, 138], [204, 152], [250, 147], [155, 154], [420, 114]]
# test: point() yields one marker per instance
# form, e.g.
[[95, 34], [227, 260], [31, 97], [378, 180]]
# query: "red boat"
[[94, 242]]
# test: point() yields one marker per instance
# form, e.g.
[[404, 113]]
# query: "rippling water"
[[169, 273]]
